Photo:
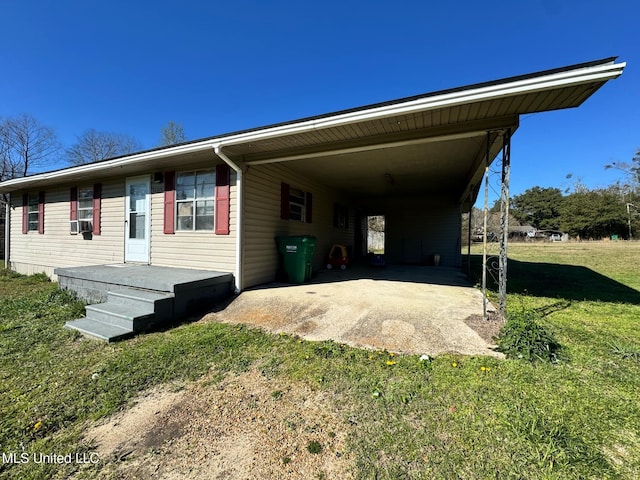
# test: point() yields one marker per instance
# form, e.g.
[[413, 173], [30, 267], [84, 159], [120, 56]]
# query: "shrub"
[[522, 337]]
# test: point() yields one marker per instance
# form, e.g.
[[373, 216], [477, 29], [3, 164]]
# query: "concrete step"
[[161, 303], [123, 316], [99, 330]]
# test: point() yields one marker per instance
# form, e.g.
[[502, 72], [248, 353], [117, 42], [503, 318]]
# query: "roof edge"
[[598, 70]]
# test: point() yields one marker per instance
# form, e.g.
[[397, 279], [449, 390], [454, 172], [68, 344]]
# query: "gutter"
[[238, 167], [89, 168]]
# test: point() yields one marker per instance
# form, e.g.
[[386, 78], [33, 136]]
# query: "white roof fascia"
[[546, 82], [530, 85], [107, 164]]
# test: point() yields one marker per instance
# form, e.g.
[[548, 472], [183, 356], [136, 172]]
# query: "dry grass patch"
[[245, 426]]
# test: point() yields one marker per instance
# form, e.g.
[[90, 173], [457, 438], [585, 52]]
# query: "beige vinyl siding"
[[262, 221], [198, 249], [34, 252]]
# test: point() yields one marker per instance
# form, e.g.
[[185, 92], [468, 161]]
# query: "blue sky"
[[216, 67]]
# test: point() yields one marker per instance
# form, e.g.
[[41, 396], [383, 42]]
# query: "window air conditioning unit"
[[80, 226], [85, 226]]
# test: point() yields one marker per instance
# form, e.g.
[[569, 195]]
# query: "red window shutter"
[[309, 208], [25, 213], [40, 212], [73, 203], [284, 201], [222, 206], [169, 200], [97, 207]]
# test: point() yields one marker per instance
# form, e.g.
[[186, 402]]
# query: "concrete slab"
[[149, 277], [420, 310]]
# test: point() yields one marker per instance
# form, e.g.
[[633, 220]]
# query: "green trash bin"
[[297, 253]]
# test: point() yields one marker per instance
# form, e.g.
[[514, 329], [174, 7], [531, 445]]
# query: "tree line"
[[27, 145], [579, 211], [585, 214]]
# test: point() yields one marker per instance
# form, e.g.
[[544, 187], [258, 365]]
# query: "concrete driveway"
[[405, 309]]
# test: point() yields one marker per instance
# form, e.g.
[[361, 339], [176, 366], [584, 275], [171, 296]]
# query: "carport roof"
[[435, 141]]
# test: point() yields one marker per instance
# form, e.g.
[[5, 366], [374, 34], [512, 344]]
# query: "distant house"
[[219, 202], [522, 232]]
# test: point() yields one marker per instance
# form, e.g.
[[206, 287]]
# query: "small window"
[[85, 209], [195, 200], [33, 213], [297, 205], [341, 216]]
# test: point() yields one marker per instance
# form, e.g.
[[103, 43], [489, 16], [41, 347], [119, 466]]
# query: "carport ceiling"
[[414, 169], [416, 159]]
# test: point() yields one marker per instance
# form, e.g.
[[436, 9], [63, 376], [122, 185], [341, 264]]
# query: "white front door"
[[137, 219]]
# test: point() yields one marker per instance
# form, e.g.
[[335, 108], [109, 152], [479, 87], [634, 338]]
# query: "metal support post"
[[504, 222], [469, 241], [484, 230]]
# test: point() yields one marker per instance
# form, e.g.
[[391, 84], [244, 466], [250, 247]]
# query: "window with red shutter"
[[73, 203], [169, 201], [97, 206], [41, 212], [295, 204]]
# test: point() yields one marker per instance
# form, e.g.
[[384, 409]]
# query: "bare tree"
[[25, 144], [93, 146], [630, 169], [171, 134]]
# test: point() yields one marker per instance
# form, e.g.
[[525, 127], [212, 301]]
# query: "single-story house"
[[218, 203]]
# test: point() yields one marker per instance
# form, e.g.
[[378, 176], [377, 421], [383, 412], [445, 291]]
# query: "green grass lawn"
[[408, 419]]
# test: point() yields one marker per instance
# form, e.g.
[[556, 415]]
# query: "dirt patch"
[[140, 428], [244, 427], [486, 329]]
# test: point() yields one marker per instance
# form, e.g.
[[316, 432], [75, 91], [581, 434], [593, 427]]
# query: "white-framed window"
[[85, 208], [195, 197], [297, 204], [340, 216], [33, 213]]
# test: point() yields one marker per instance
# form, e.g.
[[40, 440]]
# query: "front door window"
[[138, 210]]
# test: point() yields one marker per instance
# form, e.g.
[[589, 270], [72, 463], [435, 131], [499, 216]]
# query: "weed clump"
[[625, 351], [522, 337], [314, 447]]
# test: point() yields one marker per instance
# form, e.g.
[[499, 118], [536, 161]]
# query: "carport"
[[419, 160]]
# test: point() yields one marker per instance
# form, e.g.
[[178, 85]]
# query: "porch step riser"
[[132, 322], [162, 308]]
